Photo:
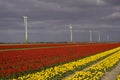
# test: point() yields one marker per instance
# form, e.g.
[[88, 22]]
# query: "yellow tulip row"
[[57, 72], [96, 71], [118, 77]]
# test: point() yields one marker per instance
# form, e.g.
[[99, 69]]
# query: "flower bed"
[[96, 71], [57, 72], [19, 46], [22, 61]]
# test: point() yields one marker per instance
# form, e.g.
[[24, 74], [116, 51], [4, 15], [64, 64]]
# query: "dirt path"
[[112, 75]]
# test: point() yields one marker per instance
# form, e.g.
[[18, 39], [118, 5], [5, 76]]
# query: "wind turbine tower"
[[90, 31], [71, 33], [99, 36], [25, 23]]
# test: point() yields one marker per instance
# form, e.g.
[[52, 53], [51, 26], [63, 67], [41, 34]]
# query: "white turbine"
[[91, 36], [70, 33], [99, 36], [90, 31], [25, 23]]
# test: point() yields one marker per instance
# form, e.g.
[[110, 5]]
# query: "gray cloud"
[[52, 18], [113, 2]]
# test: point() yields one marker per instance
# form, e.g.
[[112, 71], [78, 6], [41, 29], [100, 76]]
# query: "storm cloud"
[[49, 20]]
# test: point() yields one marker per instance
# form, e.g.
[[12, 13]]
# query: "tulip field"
[[73, 61]]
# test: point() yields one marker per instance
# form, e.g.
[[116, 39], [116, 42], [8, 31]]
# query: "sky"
[[49, 20]]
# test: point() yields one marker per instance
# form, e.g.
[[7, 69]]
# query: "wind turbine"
[[25, 23], [71, 33], [90, 31], [91, 36], [99, 36]]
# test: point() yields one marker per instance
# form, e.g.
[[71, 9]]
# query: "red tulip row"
[[13, 46], [15, 61]]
